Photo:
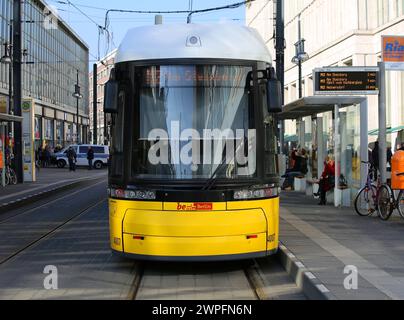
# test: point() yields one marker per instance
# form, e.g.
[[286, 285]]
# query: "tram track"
[[20, 212], [50, 232], [245, 276], [256, 281]]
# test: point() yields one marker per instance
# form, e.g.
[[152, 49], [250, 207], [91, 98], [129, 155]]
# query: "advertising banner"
[[393, 52], [28, 145]]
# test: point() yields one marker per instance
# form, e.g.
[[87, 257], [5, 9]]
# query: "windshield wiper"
[[212, 180]]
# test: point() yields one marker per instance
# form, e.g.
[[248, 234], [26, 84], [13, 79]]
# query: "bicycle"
[[11, 177], [366, 199], [387, 201]]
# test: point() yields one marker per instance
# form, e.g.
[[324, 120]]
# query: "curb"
[[14, 204], [310, 285]]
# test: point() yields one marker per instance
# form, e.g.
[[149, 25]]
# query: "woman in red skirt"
[[327, 180]]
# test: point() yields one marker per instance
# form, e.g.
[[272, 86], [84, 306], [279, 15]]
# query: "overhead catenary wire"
[[105, 28]]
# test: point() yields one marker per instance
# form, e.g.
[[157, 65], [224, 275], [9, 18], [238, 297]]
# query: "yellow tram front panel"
[[183, 230]]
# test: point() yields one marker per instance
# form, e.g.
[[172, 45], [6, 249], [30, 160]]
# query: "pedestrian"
[[72, 158], [37, 159], [327, 180], [389, 155], [47, 156], [299, 169], [90, 158]]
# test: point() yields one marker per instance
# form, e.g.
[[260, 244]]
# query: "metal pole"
[[95, 96], [3, 141], [17, 81], [299, 31], [10, 75], [364, 154], [337, 156], [77, 114], [382, 123], [280, 60], [320, 147]]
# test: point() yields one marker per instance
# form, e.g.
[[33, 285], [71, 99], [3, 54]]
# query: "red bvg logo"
[[197, 206]]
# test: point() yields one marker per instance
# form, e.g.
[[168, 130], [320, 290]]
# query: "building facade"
[[54, 56], [103, 72], [337, 33]]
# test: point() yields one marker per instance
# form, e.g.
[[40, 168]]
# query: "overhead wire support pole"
[[382, 123], [95, 103], [280, 59], [17, 90]]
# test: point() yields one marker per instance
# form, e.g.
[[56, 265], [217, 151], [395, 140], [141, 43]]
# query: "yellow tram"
[[193, 169]]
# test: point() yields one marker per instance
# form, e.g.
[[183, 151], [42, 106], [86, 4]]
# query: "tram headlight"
[[132, 194], [257, 193]]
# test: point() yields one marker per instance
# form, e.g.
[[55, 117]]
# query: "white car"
[[101, 155]]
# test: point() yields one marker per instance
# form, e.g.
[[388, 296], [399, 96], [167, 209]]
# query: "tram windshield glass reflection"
[[193, 119]]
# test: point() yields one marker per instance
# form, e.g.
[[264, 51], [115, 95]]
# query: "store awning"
[[311, 106], [9, 118], [389, 130]]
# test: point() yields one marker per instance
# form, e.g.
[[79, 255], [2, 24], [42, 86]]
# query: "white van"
[[101, 155]]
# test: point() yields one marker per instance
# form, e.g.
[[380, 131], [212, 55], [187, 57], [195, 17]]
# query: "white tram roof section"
[[193, 41]]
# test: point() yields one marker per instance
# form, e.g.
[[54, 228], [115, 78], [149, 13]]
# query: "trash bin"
[[397, 167]]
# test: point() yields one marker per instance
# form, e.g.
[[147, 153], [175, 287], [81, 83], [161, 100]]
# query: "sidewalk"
[[47, 179], [327, 239]]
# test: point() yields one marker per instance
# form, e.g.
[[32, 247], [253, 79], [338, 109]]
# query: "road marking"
[[310, 275], [300, 265], [389, 285]]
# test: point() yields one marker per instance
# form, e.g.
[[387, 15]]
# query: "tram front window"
[[194, 121]]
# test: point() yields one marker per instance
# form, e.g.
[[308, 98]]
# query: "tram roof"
[[173, 41]]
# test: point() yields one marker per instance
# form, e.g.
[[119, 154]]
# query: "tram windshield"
[[195, 121]]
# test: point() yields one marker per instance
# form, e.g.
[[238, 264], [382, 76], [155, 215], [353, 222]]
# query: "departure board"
[[346, 80]]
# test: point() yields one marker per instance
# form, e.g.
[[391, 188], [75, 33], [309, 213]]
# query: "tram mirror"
[[111, 97], [274, 96]]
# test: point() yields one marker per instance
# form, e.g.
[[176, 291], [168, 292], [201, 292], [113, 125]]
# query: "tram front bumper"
[[154, 233]]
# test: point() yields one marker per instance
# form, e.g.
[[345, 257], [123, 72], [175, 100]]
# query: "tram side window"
[[117, 137]]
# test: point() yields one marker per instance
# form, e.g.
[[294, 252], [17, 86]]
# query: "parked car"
[[101, 156]]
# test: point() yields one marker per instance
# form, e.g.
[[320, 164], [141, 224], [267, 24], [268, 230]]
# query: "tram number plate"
[[197, 206]]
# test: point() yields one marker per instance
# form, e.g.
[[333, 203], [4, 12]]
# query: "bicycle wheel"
[[12, 177], [365, 201], [385, 205], [400, 203]]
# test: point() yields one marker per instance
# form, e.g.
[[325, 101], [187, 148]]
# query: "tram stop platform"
[[327, 240], [49, 180]]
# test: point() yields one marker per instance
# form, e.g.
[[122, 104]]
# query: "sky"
[[93, 12]]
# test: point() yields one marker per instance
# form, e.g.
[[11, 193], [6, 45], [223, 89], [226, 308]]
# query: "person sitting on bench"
[[327, 180], [298, 170]]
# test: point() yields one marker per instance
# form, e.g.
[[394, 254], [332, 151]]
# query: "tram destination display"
[[346, 81]]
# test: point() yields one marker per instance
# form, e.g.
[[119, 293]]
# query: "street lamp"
[[78, 96], [300, 56], [6, 59]]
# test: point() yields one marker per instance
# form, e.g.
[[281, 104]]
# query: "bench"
[[343, 194], [312, 187], [300, 184]]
